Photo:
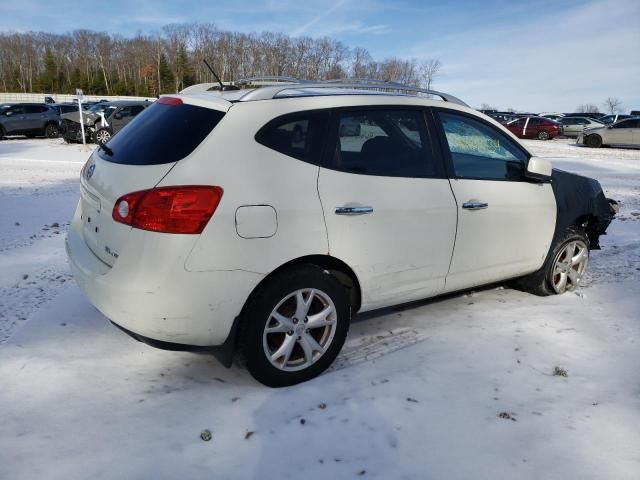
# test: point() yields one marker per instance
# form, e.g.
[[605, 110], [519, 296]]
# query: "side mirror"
[[117, 116], [539, 168]]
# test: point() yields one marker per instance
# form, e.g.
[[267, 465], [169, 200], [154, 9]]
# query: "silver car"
[[574, 126], [625, 133]]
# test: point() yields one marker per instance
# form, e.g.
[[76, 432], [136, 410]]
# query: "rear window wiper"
[[106, 149]]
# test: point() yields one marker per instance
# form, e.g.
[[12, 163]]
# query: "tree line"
[[172, 59]]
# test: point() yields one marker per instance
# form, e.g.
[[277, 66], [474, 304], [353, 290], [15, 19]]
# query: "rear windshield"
[[161, 134]]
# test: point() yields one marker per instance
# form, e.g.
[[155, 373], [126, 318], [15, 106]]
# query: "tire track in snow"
[[21, 300]]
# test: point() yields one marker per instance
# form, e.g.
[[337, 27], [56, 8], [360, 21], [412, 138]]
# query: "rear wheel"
[[294, 326], [51, 131], [564, 268], [594, 141], [2, 132], [542, 135]]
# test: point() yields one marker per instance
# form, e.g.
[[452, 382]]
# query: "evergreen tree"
[[167, 79], [183, 69], [48, 80]]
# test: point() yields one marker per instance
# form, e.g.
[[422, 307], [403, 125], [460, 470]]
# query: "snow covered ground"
[[456, 388]]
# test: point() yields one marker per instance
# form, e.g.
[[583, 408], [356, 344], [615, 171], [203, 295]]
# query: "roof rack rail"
[[268, 80], [271, 87], [301, 88]]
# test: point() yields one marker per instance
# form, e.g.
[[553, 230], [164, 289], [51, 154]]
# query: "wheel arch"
[[339, 269]]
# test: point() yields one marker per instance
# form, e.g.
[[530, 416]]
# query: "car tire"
[[102, 136], [294, 326], [559, 274], [2, 132], [543, 135], [594, 141], [51, 131]]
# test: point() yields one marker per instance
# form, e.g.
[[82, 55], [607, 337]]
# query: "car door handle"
[[353, 210], [474, 205]]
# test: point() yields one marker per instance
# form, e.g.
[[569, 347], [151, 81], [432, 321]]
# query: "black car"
[[30, 119], [613, 118], [101, 121]]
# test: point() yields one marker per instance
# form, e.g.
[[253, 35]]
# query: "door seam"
[[455, 237]]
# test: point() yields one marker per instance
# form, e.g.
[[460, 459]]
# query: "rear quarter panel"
[[252, 174]]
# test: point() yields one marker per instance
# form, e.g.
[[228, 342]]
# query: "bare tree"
[[429, 69], [167, 60], [486, 106], [587, 108], [613, 105]]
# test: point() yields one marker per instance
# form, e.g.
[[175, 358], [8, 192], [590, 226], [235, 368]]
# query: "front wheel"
[[563, 269], [294, 326], [543, 135], [103, 136]]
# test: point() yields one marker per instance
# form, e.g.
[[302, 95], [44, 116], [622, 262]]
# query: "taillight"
[[173, 101], [183, 209]]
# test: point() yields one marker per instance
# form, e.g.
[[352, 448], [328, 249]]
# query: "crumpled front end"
[[582, 204]]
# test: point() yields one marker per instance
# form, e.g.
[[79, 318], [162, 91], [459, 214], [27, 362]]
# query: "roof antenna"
[[223, 88]]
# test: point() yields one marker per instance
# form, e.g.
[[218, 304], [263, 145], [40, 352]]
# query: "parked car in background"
[[552, 116], [101, 121], [30, 119], [624, 133], [63, 108], [534, 127], [613, 118], [573, 126], [503, 117], [187, 238], [594, 115]]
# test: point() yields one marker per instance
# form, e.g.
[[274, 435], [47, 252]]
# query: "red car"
[[535, 127]]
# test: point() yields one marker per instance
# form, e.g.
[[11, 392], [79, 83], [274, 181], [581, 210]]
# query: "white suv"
[[260, 221]]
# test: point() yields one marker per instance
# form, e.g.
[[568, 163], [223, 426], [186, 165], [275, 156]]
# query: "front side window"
[[300, 135], [631, 123], [391, 143], [479, 151]]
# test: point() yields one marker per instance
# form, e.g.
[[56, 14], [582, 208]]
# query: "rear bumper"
[[149, 294]]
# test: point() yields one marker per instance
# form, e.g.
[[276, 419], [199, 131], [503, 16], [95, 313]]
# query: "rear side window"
[[391, 143], [162, 133], [300, 135], [479, 151], [36, 109]]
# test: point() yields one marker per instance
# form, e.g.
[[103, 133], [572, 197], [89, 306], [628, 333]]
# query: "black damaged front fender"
[[581, 203]]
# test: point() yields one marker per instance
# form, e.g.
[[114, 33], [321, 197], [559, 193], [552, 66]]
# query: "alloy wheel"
[[103, 136], [300, 329], [569, 266]]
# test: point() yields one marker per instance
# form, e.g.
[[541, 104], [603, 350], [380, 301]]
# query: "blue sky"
[[546, 55]]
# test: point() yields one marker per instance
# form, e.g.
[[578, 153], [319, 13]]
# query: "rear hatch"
[[135, 159]]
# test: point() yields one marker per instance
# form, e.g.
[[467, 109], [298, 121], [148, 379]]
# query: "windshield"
[[98, 107], [101, 107]]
